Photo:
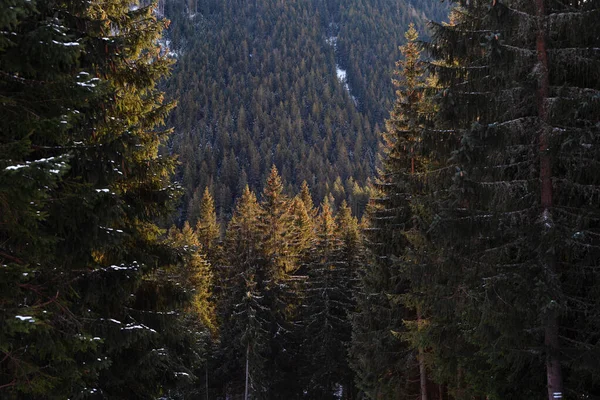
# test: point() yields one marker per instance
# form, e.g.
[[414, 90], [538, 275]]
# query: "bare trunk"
[[459, 390], [422, 369], [247, 372], [553, 368], [207, 381]]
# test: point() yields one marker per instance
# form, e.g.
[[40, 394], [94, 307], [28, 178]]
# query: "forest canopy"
[[309, 199]]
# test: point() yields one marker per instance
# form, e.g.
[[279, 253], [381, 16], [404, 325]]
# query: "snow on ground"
[[339, 391], [340, 72]]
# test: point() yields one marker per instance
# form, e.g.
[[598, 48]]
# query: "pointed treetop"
[[207, 206], [246, 206], [272, 194], [302, 225], [344, 213], [274, 180], [207, 228], [325, 227], [306, 197], [301, 217], [411, 34], [347, 225], [248, 197], [326, 207]]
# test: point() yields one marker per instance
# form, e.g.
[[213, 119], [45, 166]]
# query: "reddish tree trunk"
[[553, 368], [422, 368]]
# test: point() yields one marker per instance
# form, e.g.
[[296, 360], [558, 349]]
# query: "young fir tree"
[[244, 316], [208, 229], [81, 183], [197, 317], [327, 305], [307, 198], [519, 232], [386, 365], [301, 232], [350, 257], [321, 317], [281, 256]]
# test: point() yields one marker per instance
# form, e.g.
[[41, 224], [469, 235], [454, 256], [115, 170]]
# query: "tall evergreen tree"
[[307, 198], [518, 232], [208, 228], [301, 232], [275, 224], [280, 254], [322, 317], [385, 364], [328, 302], [350, 257], [244, 315], [81, 181]]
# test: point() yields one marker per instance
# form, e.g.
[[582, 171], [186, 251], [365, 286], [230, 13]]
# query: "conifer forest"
[[300, 199]]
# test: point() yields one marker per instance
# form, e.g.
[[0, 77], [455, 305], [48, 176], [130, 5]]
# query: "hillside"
[[304, 85]]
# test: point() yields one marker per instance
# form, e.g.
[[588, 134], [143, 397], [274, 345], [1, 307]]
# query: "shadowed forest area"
[[303, 199]]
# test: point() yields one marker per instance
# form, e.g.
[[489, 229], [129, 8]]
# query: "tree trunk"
[[247, 373], [422, 369], [553, 368], [206, 381]]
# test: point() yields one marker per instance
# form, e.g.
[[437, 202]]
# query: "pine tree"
[[207, 227], [82, 182], [350, 258], [307, 198], [322, 315], [244, 315], [516, 233], [380, 324], [275, 224], [280, 254]]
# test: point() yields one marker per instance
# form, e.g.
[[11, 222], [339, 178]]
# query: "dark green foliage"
[[335, 255], [244, 314], [257, 86], [386, 364], [270, 309], [91, 292], [517, 250]]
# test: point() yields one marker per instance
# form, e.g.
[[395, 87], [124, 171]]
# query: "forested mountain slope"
[[303, 85]]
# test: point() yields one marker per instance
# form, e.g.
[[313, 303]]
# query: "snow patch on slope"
[[340, 72]]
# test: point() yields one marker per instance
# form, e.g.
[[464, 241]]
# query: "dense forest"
[[308, 199], [304, 85]]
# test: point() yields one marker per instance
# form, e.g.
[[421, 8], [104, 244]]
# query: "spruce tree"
[[350, 257], [280, 254], [323, 317], [301, 233], [519, 226], [88, 296], [208, 228], [39, 50], [307, 198], [275, 224], [379, 325], [328, 302], [244, 316]]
